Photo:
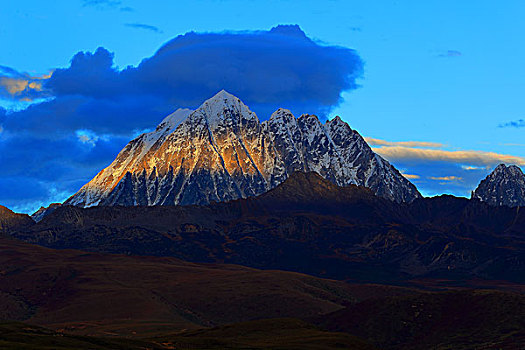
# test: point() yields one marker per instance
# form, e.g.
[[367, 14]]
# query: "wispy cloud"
[[520, 123], [450, 53], [144, 26], [433, 151], [446, 178], [102, 3], [418, 144], [470, 167], [475, 158], [438, 170], [513, 144]]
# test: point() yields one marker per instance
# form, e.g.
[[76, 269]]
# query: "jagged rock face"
[[221, 152], [504, 186]]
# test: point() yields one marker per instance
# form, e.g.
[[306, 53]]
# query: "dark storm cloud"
[[268, 69], [97, 107], [36, 170]]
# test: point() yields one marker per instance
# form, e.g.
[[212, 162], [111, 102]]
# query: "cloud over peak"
[[95, 107]]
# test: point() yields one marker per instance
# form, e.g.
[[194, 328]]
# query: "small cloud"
[[418, 144], [411, 176], [87, 137], [144, 26], [446, 178], [470, 167], [101, 3], [20, 86], [451, 53], [513, 144], [520, 123]]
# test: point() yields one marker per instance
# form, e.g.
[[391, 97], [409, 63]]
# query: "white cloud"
[[472, 158], [87, 137]]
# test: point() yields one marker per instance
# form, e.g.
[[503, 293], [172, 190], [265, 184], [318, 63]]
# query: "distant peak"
[[502, 168], [503, 186]]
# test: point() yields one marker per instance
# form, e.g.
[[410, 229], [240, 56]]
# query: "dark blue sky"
[[436, 86]]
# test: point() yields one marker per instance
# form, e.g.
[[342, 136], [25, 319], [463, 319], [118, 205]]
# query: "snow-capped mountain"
[[504, 186], [221, 151]]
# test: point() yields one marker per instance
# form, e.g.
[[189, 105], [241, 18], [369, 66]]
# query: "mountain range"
[[307, 224], [221, 152], [457, 263]]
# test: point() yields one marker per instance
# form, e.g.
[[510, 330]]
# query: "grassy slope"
[[264, 334], [462, 319], [91, 293]]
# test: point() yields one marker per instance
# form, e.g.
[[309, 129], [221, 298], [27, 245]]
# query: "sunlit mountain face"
[[222, 152]]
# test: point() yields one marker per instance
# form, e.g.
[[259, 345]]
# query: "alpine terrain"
[[504, 186], [221, 152]]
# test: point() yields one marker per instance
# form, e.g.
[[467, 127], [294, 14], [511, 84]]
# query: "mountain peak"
[[511, 169], [282, 115], [221, 151], [223, 106], [336, 120], [224, 96], [503, 186]]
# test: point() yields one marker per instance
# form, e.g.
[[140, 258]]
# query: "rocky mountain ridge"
[[309, 225], [221, 152]]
